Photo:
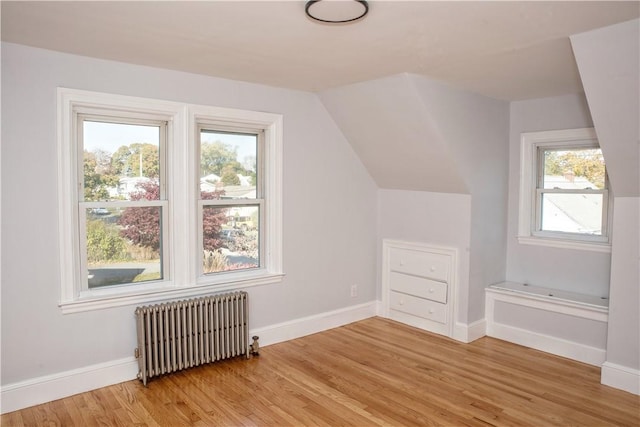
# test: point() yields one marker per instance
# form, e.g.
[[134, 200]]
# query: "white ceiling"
[[505, 50]]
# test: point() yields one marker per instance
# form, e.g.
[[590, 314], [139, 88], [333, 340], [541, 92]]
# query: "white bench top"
[[552, 294]]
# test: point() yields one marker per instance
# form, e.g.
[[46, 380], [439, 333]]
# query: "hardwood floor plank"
[[126, 395], [14, 419], [370, 373]]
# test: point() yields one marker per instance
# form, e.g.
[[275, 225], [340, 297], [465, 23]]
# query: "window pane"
[[574, 169], [123, 245], [572, 213], [121, 161], [228, 164], [230, 238]]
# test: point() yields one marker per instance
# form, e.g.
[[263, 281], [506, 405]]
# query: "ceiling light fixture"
[[336, 11]]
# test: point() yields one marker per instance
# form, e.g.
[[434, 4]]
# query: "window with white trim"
[[122, 199], [230, 198], [564, 190], [161, 200]]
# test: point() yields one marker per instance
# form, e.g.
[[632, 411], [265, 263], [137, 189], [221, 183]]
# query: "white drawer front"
[[425, 264], [418, 307], [418, 286]]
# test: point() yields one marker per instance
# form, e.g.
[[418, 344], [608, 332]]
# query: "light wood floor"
[[373, 372]]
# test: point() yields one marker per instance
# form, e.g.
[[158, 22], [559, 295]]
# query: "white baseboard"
[[56, 386], [621, 377], [554, 345], [471, 332], [297, 328]]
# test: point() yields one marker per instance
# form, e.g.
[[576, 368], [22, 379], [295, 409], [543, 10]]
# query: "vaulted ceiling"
[[504, 50]]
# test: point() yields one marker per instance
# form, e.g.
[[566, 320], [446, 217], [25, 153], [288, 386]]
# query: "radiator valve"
[[255, 347]]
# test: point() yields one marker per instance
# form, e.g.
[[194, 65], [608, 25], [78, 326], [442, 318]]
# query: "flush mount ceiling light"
[[336, 11]]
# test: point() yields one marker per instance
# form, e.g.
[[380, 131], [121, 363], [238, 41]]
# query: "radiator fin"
[[182, 334]]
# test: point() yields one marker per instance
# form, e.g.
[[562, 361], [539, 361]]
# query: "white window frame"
[[82, 113], [530, 143], [270, 157], [181, 278]]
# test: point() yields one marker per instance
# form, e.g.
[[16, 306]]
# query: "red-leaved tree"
[[141, 225], [212, 220]]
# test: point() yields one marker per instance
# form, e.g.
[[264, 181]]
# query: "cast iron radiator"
[[182, 334]]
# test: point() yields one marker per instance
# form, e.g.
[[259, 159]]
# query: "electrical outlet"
[[354, 291]]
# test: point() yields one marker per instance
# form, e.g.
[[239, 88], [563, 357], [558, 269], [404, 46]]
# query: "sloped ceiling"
[[508, 50], [414, 133], [609, 63], [390, 130]]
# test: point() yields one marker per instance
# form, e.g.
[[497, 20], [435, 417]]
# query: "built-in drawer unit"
[[418, 284], [418, 287], [418, 307], [425, 264]]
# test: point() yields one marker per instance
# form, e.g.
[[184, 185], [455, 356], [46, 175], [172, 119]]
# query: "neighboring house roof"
[[239, 192], [574, 213], [244, 180], [568, 182], [127, 185], [212, 177]]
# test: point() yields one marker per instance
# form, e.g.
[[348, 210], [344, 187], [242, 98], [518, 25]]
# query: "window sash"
[[164, 243], [125, 118], [541, 149], [539, 191], [207, 125], [539, 232], [203, 277], [129, 119], [235, 129]]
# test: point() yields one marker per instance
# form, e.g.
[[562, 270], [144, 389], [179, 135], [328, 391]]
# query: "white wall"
[[476, 129], [413, 133], [571, 270], [329, 209], [580, 271], [437, 218], [609, 63], [398, 142], [623, 346]]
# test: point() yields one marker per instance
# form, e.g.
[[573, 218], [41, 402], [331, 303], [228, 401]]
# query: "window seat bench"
[[564, 323]]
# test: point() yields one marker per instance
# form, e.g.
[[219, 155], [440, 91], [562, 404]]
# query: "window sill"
[[94, 302], [565, 244]]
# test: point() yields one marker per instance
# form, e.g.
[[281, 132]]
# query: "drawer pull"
[[401, 302], [430, 311], [401, 262], [432, 269], [431, 290]]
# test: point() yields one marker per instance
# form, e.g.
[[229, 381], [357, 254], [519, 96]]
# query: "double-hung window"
[[564, 190], [122, 199], [161, 200], [237, 188], [230, 198]]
